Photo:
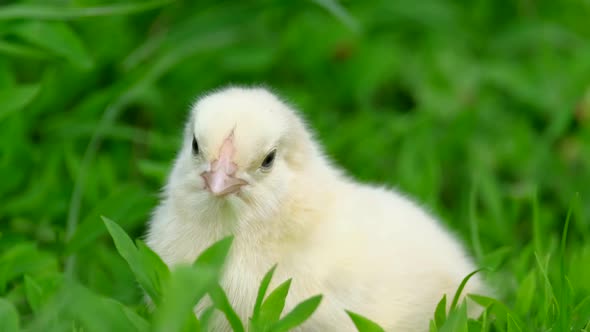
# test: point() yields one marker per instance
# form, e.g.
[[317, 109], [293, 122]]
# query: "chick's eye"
[[195, 146], [269, 160]]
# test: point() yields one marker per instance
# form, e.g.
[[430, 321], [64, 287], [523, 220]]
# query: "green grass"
[[480, 110]]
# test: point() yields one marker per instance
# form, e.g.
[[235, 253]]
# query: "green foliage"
[[8, 317], [176, 293], [34, 294], [272, 307], [222, 303], [16, 98], [440, 314], [364, 324], [255, 319], [480, 110], [266, 316], [39, 11], [175, 313], [148, 269], [211, 256], [462, 285], [298, 315]]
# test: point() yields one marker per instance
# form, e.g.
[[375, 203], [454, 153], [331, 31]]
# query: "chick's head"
[[242, 149]]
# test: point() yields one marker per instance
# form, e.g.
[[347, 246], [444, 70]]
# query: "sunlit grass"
[[478, 110]]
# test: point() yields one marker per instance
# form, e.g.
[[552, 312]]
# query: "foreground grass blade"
[[261, 293], [363, 324], [129, 252], [215, 255], [222, 303], [461, 286], [186, 286], [457, 320], [213, 259], [440, 313], [273, 306], [205, 318], [157, 271], [298, 315], [91, 312]]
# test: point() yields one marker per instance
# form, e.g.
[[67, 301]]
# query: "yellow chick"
[[249, 167]]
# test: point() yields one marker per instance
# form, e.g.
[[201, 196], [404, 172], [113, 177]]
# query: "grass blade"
[[56, 38], [8, 317], [21, 51], [537, 227], [298, 315], [222, 303], [261, 294], [45, 12], [175, 313], [440, 313], [474, 224], [215, 254], [461, 286], [15, 99], [512, 325], [364, 324], [498, 308], [457, 320], [205, 318], [550, 293], [34, 293], [564, 314], [129, 252], [273, 306], [157, 271]]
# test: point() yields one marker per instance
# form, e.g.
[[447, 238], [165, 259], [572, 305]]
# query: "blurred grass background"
[[481, 110]]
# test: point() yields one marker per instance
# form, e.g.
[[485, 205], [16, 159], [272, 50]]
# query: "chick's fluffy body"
[[366, 249]]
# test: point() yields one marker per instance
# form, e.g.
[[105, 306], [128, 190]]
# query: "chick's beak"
[[220, 180], [219, 183]]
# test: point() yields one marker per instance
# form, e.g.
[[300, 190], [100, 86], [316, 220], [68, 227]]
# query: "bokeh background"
[[479, 109]]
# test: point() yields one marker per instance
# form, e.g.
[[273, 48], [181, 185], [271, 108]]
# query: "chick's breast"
[[377, 253]]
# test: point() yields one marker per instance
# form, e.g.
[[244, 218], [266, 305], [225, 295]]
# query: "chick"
[[249, 167]]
